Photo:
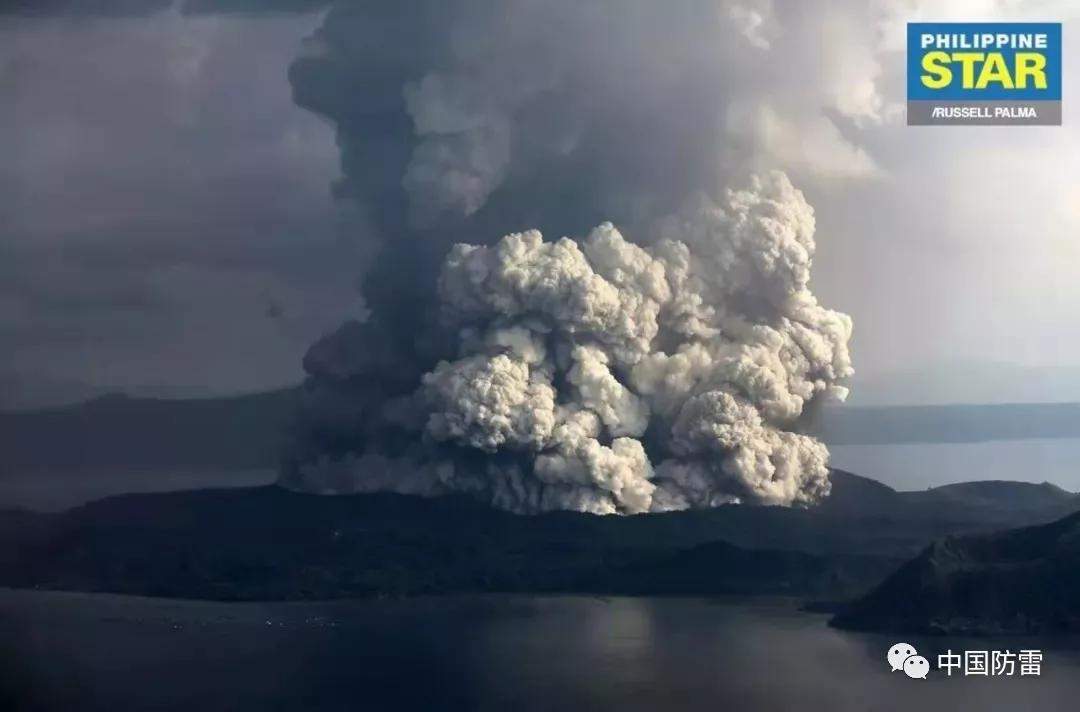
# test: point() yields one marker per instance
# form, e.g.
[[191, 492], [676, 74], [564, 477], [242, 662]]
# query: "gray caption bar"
[[983, 113]]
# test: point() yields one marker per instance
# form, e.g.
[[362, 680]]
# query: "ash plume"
[[661, 361], [610, 377]]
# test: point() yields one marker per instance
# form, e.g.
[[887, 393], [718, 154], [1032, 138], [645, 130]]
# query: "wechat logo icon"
[[903, 656]]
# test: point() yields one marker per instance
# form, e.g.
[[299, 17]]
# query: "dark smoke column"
[[596, 375]]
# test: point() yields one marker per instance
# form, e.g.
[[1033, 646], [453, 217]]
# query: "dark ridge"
[[273, 543], [1021, 581]]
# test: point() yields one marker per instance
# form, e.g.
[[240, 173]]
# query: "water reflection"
[[76, 651], [916, 466]]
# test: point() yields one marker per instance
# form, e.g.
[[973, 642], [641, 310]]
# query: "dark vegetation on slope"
[[1021, 581], [271, 543]]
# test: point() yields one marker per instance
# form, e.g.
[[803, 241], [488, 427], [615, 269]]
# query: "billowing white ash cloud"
[[662, 364], [607, 376]]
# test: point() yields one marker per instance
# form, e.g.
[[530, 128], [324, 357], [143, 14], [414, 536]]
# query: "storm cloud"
[[160, 191]]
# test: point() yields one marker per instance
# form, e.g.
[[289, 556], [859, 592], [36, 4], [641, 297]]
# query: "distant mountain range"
[[270, 543], [246, 432], [241, 432]]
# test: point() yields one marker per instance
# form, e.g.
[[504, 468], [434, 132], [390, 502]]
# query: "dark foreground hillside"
[[1018, 581], [271, 543]]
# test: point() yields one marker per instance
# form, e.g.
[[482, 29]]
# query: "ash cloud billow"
[[663, 359], [609, 377]]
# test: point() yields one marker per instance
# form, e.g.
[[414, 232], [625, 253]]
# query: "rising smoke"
[[664, 369], [619, 378]]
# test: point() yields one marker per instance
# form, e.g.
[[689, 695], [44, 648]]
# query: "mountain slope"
[[989, 501], [1018, 581], [268, 542]]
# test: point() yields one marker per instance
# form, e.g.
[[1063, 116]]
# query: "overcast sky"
[[167, 225], [165, 215]]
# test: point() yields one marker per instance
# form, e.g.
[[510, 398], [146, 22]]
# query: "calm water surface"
[[63, 651], [913, 466]]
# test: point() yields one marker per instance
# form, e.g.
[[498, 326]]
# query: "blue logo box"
[[984, 61]]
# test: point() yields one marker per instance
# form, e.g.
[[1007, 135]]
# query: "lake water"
[[76, 652], [913, 466]]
